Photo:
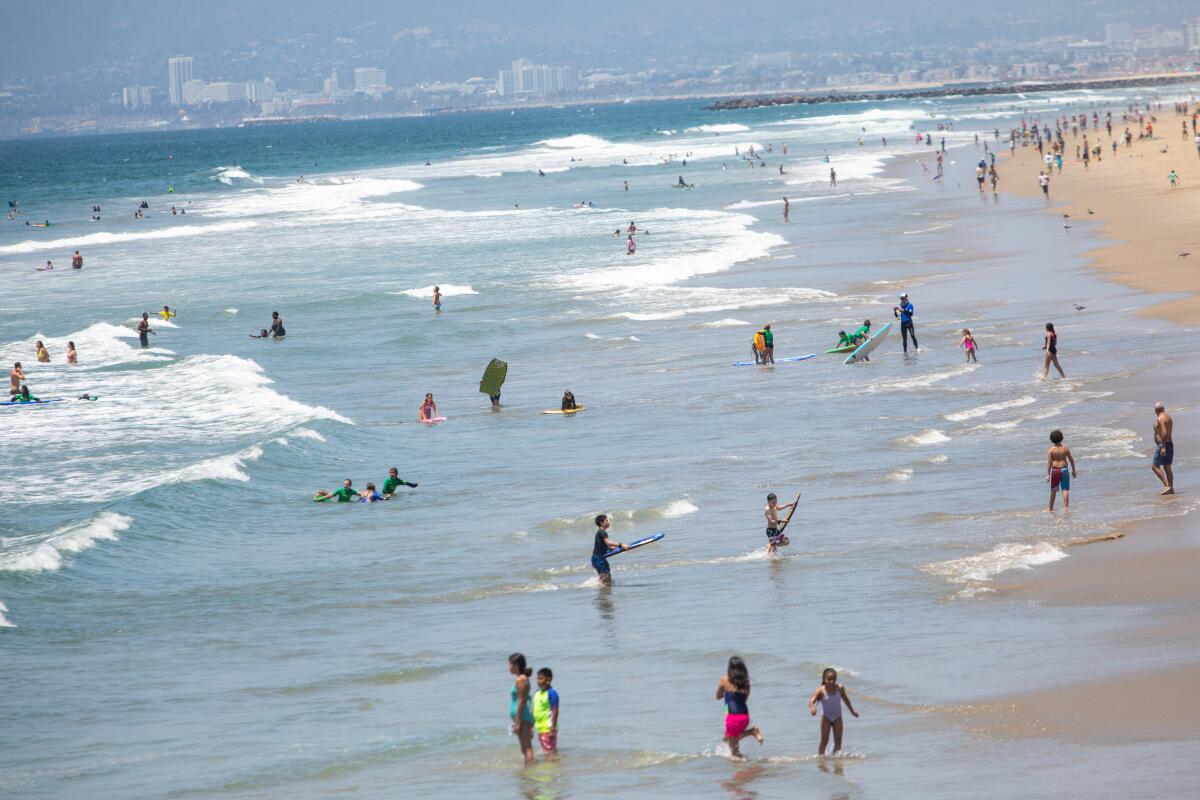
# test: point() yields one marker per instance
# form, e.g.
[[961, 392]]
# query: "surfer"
[[734, 689], [495, 398], [768, 345], [568, 401], [72, 356], [15, 377], [759, 345], [830, 695], [904, 312], [43, 356], [630, 246], [76, 261], [844, 340], [144, 330], [775, 536], [428, 410], [1051, 349], [23, 396], [277, 329], [1057, 458], [600, 547], [1164, 448], [520, 709], [437, 298], [369, 495], [393, 482], [49, 266], [346, 494], [166, 313]]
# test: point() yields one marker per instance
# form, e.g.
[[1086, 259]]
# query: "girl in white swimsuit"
[[829, 695]]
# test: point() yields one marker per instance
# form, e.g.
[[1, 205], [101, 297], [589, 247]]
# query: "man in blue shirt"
[[905, 312]]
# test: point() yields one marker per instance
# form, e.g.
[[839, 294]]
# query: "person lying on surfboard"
[[844, 339], [775, 537]]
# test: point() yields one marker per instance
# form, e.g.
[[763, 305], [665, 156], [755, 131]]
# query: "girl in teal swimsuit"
[[520, 708]]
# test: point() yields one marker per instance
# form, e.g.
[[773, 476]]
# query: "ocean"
[[181, 621]]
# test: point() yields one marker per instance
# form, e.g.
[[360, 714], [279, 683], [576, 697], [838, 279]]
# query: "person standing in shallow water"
[[1057, 474], [437, 299], [734, 689], [1164, 448], [828, 697], [520, 707], [1050, 346]]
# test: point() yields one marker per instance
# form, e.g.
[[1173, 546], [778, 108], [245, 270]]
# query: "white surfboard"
[[866, 348]]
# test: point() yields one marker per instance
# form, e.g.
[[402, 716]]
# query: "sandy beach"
[[1149, 566]]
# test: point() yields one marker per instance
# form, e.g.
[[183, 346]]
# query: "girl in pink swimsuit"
[[968, 341], [734, 689]]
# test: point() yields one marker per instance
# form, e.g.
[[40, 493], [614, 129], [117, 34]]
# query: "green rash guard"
[[342, 495], [768, 338], [392, 484], [862, 333]]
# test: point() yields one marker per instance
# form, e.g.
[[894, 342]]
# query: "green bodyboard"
[[846, 348], [493, 377]]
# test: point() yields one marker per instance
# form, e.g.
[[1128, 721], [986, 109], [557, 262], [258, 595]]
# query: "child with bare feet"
[[1057, 459], [830, 695], [734, 689], [968, 341]]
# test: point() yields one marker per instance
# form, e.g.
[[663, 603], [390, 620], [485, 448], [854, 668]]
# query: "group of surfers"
[[347, 493]]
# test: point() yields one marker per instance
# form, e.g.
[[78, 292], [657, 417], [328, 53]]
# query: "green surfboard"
[[493, 377]]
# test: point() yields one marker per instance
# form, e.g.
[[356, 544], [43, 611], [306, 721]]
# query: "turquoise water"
[[184, 623]]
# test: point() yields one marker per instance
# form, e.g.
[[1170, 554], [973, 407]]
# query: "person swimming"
[[42, 355], [346, 494]]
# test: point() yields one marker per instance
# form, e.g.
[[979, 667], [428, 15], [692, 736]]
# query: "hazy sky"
[[54, 37]]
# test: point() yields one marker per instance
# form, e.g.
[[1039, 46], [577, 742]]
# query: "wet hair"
[[1056, 437], [518, 659], [600, 519], [392, 469], [371, 486], [347, 480], [1050, 327], [71, 344], [771, 497], [546, 673], [737, 673], [828, 671], [17, 365], [867, 322]]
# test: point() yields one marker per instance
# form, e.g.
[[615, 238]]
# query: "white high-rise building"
[[260, 91], [221, 92], [179, 72], [133, 97], [191, 92], [525, 77], [1191, 33], [371, 80]]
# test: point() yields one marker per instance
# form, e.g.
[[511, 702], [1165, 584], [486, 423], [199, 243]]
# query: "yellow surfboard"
[[575, 410]]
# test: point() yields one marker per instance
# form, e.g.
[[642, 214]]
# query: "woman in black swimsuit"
[[1051, 349]]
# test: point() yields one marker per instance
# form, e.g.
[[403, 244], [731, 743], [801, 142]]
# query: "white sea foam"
[[742, 204], [4, 623], [100, 345], [679, 508], [233, 174], [983, 411], [728, 127], [231, 311], [334, 199], [107, 237], [924, 438], [674, 302], [728, 322], [899, 474], [447, 289], [1002, 558], [44, 552]]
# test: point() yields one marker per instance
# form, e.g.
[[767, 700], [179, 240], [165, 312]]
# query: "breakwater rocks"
[[951, 91]]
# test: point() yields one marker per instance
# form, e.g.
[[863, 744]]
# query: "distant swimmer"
[[626, 186], [15, 377], [43, 356], [262, 334], [1164, 448], [1050, 347], [832, 176], [541, 174], [968, 342], [787, 209], [775, 535], [394, 482], [617, 233], [144, 330], [682, 183], [166, 313], [428, 409], [49, 266], [76, 261], [437, 298], [600, 546], [72, 356], [630, 246], [1057, 459], [277, 329], [568, 401], [632, 227], [781, 169], [346, 494]]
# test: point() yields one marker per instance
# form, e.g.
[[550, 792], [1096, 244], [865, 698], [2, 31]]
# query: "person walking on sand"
[[828, 697], [1050, 347], [520, 706], [1044, 182], [1057, 475], [1164, 448], [968, 342], [775, 535], [734, 689]]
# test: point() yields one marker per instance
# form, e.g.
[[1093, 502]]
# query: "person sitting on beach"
[[343, 495], [830, 695], [568, 401], [1057, 459]]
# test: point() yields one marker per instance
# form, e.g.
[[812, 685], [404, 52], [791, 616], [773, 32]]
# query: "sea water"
[[182, 622]]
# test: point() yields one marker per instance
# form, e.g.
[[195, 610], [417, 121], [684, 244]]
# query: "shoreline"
[[1149, 564]]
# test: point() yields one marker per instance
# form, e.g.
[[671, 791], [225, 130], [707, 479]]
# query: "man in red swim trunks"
[[1057, 459]]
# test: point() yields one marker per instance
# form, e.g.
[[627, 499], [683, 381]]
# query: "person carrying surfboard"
[[775, 537], [600, 549]]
